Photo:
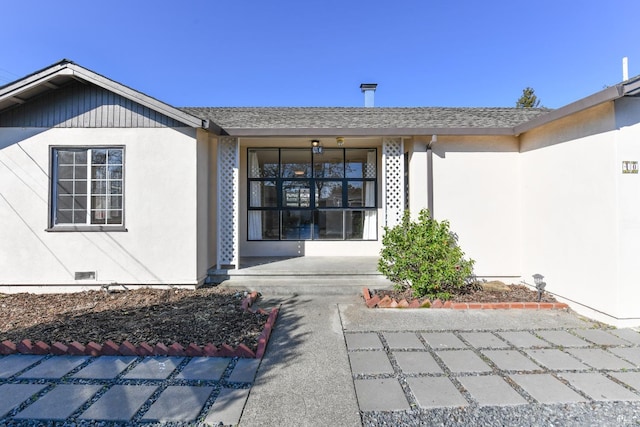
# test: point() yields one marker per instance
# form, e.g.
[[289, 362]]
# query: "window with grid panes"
[[87, 186]]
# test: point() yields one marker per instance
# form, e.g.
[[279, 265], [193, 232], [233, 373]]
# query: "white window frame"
[[87, 225]]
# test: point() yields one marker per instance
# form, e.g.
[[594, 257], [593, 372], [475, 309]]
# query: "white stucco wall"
[[161, 183], [570, 171], [628, 193], [477, 189]]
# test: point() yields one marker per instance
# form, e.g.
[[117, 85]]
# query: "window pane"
[[65, 172], [98, 217], [296, 163], [263, 163], [64, 217], [328, 194], [115, 172], [80, 203], [66, 157], [355, 194], [115, 187], [355, 224], [81, 188], [296, 194], [99, 187], [65, 187], [263, 194], [360, 163], [65, 202], [79, 217], [98, 202], [329, 164], [99, 172], [115, 202], [329, 225], [297, 225], [264, 225], [98, 157], [361, 225], [362, 194], [114, 217], [81, 172], [115, 156], [81, 157]]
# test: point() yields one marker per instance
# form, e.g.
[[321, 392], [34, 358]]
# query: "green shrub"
[[424, 255]]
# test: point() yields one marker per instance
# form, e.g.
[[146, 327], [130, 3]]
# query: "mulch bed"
[[166, 316], [500, 296]]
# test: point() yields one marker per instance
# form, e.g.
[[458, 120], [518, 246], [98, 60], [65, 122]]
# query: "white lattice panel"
[[393, 158], [228, 190]]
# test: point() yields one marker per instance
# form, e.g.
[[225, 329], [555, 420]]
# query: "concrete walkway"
[[332, 361]]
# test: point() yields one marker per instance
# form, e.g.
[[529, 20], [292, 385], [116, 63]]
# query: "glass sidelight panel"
[[328, 194], [296, 163], [297, 225], [296, 194], [330, 225], [329, 164], [263, 163], [264, 225]]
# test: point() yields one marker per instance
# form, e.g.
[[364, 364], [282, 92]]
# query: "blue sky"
[[317, 52]]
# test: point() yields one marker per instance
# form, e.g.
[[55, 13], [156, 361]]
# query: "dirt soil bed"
[[202, 316], [504, 293]]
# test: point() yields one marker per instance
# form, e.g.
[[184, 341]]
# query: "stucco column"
[[393, 176], [228, 207]]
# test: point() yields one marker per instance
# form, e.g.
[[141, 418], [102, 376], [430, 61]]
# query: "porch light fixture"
[[315, 145], [340, 141]]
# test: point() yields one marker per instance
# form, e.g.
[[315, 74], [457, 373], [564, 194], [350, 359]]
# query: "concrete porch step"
[[306, 284], [302, 275]]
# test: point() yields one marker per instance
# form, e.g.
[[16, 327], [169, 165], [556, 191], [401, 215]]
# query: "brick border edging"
[[388, 302], [109, 348]]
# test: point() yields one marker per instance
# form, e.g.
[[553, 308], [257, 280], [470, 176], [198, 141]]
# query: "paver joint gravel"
[[81, 390], [490, 376]]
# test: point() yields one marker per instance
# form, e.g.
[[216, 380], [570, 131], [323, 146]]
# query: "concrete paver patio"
[[133, 390], [496, 358]]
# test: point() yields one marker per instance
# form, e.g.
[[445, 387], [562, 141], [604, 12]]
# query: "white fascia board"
[[22, 85]]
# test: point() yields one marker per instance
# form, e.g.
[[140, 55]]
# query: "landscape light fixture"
[[540, 285]]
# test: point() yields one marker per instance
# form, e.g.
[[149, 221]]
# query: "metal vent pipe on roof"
[[368, 89]]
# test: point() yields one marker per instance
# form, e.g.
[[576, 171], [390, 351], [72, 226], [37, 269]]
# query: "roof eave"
[[405, 132], [609, 94], [68, 68]]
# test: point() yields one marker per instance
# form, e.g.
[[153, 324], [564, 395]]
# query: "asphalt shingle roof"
[[365, 118]]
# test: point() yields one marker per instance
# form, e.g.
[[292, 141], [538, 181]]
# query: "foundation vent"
[[85, 275]]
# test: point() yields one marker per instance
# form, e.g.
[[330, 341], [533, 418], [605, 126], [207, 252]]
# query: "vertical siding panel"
[[81, 105], [94, 112], [110, 107]]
